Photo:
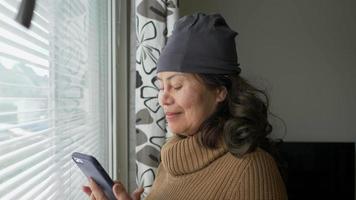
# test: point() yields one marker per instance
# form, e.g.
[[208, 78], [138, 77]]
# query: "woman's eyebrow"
[[170, 77]]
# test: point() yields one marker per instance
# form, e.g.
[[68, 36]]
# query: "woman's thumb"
[[119, 191], [136, 195]]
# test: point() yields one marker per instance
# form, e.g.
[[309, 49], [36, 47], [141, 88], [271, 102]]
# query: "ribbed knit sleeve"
[[261, 179]]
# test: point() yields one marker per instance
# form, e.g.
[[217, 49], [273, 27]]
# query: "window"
[[54, 94]]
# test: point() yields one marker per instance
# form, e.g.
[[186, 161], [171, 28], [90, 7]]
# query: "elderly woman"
[[218, 119]]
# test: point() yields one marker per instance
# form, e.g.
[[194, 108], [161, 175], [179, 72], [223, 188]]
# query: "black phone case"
[[92, 168]]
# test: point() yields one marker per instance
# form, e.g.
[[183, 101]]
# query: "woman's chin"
[[173, 130], [179, 132]]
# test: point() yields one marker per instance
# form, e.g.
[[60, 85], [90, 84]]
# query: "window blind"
[[53, 97]]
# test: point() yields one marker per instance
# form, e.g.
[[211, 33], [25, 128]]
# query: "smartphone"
[[92, 168]]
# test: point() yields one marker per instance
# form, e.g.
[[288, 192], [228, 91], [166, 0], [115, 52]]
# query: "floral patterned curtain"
[[154, 22]]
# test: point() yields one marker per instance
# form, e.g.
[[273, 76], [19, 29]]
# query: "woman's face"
[[186, 101]]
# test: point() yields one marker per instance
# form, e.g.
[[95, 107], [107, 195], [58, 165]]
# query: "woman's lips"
[[171, 115]]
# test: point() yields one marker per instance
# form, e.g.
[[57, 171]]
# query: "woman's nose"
[[165, 98]]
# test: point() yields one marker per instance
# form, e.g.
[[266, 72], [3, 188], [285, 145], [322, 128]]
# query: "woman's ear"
[[221, 94]]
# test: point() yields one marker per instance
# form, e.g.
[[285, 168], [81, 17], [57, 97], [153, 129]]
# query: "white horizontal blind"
[[53, 97]]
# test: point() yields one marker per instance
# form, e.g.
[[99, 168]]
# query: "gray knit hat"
[[200, 43]]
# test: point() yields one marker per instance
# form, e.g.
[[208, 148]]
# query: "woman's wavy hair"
[[241, 120]]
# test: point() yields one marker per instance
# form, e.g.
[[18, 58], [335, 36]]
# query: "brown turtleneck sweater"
[[189, 171]]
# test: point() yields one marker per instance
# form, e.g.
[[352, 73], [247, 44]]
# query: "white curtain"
[[154, 23], [53, 97]]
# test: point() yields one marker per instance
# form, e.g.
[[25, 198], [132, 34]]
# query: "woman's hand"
[[95, 192]]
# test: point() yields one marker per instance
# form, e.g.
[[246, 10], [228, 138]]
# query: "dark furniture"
[[318, 170]]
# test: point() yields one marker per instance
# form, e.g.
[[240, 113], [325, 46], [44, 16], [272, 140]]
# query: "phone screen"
[[92, 168]]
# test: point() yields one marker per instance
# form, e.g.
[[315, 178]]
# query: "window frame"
[[119, 81]]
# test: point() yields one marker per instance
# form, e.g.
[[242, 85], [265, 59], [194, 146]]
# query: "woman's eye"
[[177, 87]]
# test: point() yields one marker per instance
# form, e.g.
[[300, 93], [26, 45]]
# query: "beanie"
[[200, 43]]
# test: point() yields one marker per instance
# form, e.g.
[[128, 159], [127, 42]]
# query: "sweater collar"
[[185, 155]]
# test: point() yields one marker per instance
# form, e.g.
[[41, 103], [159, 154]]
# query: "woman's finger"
[[136, 195], [96, 190], [86, 190], [120, 191]]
